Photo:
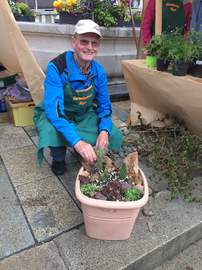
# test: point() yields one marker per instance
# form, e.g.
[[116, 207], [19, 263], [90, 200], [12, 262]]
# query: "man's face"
[[86, 46]]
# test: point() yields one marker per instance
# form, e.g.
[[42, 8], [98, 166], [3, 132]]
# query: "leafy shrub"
[[132, 194]]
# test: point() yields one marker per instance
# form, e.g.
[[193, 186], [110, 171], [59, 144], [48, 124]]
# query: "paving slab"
[[15, 234], [48, 207], [189, 259], [31, 131], [13, 137], [68, 179], [45, 257], [22, 165], [121, 114], [118, 92], [174, 227], [123, 105]]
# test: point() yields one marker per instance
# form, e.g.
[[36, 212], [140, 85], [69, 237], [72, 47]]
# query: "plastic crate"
[[6, 79], [21, 114]]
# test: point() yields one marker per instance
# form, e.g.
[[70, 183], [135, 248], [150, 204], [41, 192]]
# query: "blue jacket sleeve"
[[103, 102], [54, 100]]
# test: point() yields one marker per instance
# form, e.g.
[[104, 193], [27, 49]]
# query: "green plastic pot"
[[151, 61]]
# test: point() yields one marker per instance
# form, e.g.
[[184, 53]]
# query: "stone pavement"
[[42, 226]]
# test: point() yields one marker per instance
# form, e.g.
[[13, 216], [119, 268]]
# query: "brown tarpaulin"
[[154, 94], [16, 55]]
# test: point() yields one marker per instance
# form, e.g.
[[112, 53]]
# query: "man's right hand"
[[86, 151]]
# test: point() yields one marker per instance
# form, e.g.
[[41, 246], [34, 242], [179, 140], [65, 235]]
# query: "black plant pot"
[[196, 68], [122, 23], [162, 64], [25, 18], [180, 68], [69, 18]]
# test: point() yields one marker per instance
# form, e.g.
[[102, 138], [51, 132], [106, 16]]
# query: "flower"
[[65, 5]]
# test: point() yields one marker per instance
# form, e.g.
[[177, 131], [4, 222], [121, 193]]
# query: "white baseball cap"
[[87, 26]]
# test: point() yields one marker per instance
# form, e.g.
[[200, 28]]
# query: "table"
[[154, 94]]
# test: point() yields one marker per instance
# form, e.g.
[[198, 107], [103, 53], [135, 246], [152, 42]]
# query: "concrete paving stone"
[[68, 179], [118, 123], [121, 114], [189, 259], [22, 165], [124, 105], [48, 207], [155, 180], [44, 257], [13, 137], [14, 231], [31, 131], [174, 227], [35, 140]]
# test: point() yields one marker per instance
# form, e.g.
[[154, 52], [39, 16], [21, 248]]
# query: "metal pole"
[[36, 5], [158, 17]]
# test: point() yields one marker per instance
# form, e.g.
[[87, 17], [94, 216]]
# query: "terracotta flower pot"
[[110, 220]]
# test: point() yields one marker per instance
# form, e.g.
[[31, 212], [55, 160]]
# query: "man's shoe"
[[58, 167]]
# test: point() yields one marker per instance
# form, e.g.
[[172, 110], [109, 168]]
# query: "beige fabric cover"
[[16, 55], [154, 94]]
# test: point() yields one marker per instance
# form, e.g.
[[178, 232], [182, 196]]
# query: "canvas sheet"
[[154, 94], [16, 55]]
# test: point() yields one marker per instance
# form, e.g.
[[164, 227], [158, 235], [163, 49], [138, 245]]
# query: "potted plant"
[[195, 69], [22, 11], [162, 53], [70, 11], [138, 18], [108, 13], [151, 51], [111, 196], [181, 54]]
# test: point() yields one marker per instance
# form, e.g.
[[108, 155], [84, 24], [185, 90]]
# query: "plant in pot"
[[151, 51], [22, 11], [108, 13], [195, 69], [111, 194], [70, 11], [162, 53], [181, 54], [138, 18]]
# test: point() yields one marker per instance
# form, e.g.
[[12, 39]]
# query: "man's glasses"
[[86, 42]]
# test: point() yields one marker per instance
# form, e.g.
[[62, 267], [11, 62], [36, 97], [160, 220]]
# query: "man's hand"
[[86, 151], [102, 140]]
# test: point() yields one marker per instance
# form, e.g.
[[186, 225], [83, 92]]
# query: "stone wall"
[[48, 40]]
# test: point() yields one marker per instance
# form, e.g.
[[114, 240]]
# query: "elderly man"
[[76, 110]]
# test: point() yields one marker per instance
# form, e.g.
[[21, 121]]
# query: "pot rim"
[[112, 204]]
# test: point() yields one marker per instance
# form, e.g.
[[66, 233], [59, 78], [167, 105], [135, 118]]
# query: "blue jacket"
[[196, 23], [56, 78]]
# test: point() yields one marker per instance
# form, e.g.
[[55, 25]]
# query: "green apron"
[[172, 15], [79, 108]]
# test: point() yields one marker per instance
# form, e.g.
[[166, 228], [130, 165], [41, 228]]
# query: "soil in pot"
[[180, 68], [162, 64], [111, 179]]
